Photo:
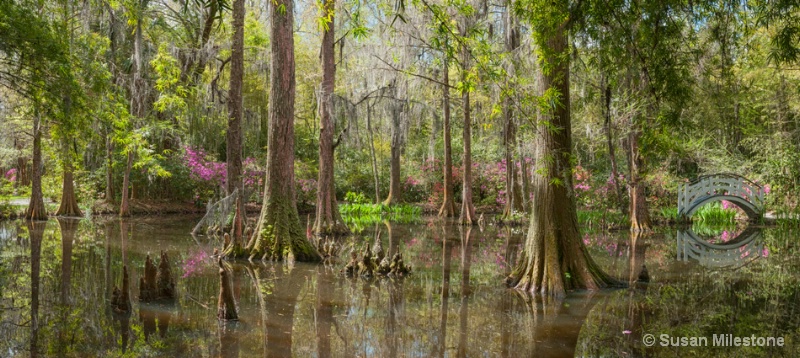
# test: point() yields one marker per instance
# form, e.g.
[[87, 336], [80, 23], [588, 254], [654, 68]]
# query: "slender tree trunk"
[[124, 206], [436, 127], [513, 196], [69, 203], [610, 142], [639, 210], [553, 247], [395, 188], [448, 208], [109, 171], [467, 208], [278, 233], [372, 155], [235, 111], [137, 109], [36, 209], [328, 220]]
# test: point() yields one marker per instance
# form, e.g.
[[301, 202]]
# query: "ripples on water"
[[453, 303]]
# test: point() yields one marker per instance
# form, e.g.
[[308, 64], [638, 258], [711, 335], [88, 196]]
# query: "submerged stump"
[[157, 283], [226, 305], [121, 298], [372, 264]]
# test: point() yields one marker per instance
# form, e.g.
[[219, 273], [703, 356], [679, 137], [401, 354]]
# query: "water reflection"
[[737, 252], [452, 304], [36, 232]]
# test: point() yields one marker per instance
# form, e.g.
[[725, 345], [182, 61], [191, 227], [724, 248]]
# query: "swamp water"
[[55, 294]]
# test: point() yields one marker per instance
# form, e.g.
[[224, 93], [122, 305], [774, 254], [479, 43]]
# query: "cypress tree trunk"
[[448, 208], [69, 203], [109, 172], [553, 247], [124, 206], [278, 233], [235, 109], [328, 220], [513, 188], [467, 208], [639, 210], [372, 154], [395, 190], [610, 142], [36, 209], [138, 111]]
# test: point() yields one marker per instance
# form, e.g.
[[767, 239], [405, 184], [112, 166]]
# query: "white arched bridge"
[[736, 189]]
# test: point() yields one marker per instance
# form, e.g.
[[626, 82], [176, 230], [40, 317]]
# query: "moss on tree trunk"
[[69, 203], [554, 259], [278, 234]]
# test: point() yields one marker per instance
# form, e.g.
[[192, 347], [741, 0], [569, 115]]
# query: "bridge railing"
[[692, 193]]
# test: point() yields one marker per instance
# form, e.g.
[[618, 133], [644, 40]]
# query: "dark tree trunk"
[[513, 195], [235, 111], [328, 220], [69, 203], [610, 142], [553, 247], [395, 188], [467, 208], [109, 170], [448, 208], [278, 233], [138, 111], [36, 209], [124, 206], [372, 155]]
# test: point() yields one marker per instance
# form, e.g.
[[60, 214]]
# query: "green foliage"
[[356, 198], [715, 214]]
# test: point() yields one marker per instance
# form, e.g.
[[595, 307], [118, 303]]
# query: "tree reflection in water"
[[314, 310]]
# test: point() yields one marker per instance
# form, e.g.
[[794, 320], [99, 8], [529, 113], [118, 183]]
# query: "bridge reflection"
[[734, 253]]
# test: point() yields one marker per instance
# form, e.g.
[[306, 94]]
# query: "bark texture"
[[235, 112], [467, 208], [328, 220], [278, 233], [36, 209], [395, 188], [639, 210], [514, 200], [448, 208], [125, 206], [69, 203], [554, 258]]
